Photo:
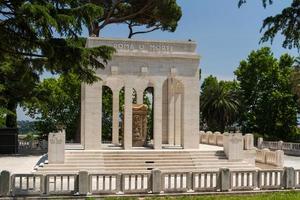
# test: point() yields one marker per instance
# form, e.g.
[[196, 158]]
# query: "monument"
[[171, 68], [139, 125]]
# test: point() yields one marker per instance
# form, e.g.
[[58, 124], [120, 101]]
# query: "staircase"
[[141, 161]]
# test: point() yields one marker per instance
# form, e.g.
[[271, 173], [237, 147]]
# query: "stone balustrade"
[[153, 182], [216, 138], [288, 148], [209, 137], [266, 156]]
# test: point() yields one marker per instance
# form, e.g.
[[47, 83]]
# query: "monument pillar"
[[127, 137], [157, 132], [91, 115], [139, 96], [115, 123], [171, 113]]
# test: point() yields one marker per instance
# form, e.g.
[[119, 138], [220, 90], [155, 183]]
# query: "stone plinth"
[[233, 146], [56, 147]]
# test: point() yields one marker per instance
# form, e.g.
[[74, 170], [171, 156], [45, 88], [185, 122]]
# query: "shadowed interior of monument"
[[142, 119]]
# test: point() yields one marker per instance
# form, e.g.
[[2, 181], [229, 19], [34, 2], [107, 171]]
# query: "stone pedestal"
[[233, 146], [56, 147], [139, 125]]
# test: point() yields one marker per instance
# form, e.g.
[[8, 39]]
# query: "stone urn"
[[139, 125]]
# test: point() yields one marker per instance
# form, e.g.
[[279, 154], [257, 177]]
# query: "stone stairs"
[[118, 161]]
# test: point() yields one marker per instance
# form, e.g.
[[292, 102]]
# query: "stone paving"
[[19, 163]]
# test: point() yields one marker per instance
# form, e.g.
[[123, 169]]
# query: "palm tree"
[[219, 105]]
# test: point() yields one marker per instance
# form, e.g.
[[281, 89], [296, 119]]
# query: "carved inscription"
[[125, 46]]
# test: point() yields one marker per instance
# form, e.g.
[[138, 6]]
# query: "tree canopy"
[[286, 23], [268, 105], [28, 31], [150, 15], [219, 105]]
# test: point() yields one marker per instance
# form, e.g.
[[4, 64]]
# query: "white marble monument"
[[170, 67]]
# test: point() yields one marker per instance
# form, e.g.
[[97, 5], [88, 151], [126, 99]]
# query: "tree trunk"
[[11, 117], [94, 30]]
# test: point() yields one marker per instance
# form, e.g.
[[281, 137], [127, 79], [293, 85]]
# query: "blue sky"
[[224, 33]]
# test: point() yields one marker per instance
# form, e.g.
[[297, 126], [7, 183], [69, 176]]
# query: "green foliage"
[[268, 104], [18, 79], [286, 23], [57, 105], [27, 32], [30, 137], [296, 80], [144, 16], [163, 15], [219, 105], [26, 127], [29, 46], [264, 196], [2, 117], [107, 102]]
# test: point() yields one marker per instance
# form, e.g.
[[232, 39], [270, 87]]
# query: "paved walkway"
[[292, 161], [19, 163]]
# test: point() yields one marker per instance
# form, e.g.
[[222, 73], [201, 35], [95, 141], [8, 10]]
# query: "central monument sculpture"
[[139, 125]]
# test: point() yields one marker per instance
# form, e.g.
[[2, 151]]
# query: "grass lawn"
[[266, 196]]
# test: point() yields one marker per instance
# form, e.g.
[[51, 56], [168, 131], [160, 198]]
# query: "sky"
[[225, 34]]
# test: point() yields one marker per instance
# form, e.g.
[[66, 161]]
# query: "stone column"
[[115, 124], [139, 96], [178, 120], [171, 117], [91, 115], [190, 113], [157, 132], [128, 117]]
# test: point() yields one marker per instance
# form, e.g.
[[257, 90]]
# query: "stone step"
[[120, 161], [143, 161], [140, 156], [145, 153], [62, 170]]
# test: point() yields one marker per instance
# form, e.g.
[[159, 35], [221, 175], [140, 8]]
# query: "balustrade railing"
[[61, 183], [243, 180], [136, 183], [104, 183], [27, 184], [144, 183], [288, 147], [175, 182], [270, 179], [205, 181]]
